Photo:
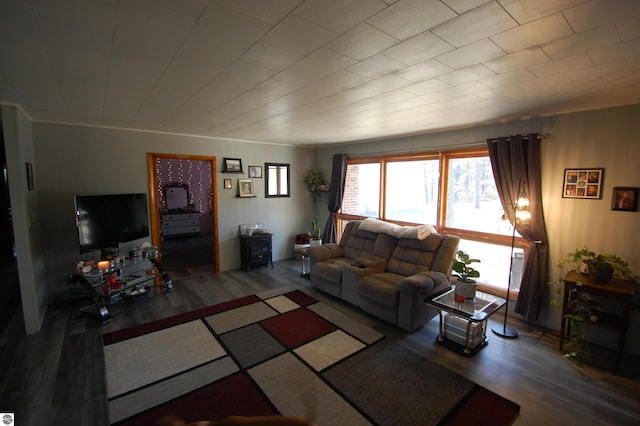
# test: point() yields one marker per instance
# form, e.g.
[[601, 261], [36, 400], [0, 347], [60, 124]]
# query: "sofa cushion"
[[331, 270], [382, 288], [412, 256]]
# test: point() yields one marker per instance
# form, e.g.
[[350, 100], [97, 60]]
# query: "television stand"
[[133, 281]]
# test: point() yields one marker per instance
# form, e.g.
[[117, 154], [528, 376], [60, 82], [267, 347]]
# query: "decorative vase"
[[315, 242]]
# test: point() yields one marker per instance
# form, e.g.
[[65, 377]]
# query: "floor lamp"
[[522, 216]]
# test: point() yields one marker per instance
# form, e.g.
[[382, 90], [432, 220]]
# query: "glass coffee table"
[[463, 325]]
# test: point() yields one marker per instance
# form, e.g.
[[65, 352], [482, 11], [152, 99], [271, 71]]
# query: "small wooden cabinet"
[[255, 250], [180, 224], [618, 290]]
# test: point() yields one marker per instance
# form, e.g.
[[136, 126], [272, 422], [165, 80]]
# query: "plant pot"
[[600, 275], [466, 289], [315, 242]]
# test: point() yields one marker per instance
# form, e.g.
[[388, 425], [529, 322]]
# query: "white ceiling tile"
[[525, 11], [534, 33], [508, 78], [376, 66], [462, 6], [577, 43], [326, 61], [624, 50], [517, 60], [417, 49], [267, 11], [397, 95], [596, 13], [471, 54], [267, 55], [557, 66], [610, 71], [424, 70], [299, 35], [465, 75], [427, 86], [465, 89], [408, 18], [387, 83], [540, 83], [362, 42], [474, 25], [339, 15], [629, 29]]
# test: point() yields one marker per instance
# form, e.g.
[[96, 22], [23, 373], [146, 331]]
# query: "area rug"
[[283, 352]]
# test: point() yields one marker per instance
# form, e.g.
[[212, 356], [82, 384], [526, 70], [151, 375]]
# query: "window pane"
[[494, 263], [362, 190], [472, 198], [412, 191]]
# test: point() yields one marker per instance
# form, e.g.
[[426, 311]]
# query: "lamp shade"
[[523, 214]]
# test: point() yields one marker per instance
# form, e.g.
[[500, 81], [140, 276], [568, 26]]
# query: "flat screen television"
[[104, 221]]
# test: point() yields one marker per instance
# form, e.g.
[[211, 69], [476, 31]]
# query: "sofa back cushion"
[[358, 242], [434, 253]]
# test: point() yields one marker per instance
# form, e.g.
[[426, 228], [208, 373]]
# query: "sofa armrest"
[[424, 283], [325, 252]]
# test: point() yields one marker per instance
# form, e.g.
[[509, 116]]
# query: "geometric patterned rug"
[[283, 352]]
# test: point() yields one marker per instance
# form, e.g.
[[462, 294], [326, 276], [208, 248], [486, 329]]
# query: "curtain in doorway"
[[336, 194], [516, 162]]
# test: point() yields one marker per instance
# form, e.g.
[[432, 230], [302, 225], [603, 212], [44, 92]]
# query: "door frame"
[[156, 240]]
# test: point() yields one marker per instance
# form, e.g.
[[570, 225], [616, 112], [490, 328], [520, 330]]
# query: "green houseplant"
[[314, 178], [315, 233], [461, 265], [582, 308], [465, 285]]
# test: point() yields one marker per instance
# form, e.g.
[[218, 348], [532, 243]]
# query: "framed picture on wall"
[[583, 183], [227, 184], [245, 188], [231, 165], [625, 199], [255, 172]]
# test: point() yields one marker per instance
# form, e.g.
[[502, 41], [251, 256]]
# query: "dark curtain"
[[516, 161], [336, 193]]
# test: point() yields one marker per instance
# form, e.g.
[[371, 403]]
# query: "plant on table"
[[461, 265], [315, 232]]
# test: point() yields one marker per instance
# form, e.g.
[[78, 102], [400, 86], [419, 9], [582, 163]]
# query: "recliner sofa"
[[386, 270]]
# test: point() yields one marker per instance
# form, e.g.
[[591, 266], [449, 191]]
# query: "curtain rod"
[[541, 137], [436, 149]]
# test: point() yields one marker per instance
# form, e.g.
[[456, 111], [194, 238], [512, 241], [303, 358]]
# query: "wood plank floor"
[[56, 377]]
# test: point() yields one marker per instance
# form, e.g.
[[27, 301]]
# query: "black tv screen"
[[104, 221]]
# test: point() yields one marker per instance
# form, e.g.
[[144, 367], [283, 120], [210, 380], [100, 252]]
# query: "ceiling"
[[315, 72]]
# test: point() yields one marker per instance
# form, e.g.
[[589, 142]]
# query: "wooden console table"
[[616, 289]]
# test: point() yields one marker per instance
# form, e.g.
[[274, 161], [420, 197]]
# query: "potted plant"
[[465, 284], [315, 233], [314, 178], [599, 267], [582, 309]]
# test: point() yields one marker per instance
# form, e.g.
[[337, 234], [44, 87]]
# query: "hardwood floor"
[[57, 376]]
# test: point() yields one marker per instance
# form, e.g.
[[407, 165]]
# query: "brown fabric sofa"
[[386, 270]]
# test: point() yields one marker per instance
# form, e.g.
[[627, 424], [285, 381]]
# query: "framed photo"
[[245, 188], [30, 184], [583, 183], [227, 184], [625, 199], [255, 172], [231, 165]]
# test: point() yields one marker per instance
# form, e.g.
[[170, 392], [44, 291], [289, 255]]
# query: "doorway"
[[199, 174]]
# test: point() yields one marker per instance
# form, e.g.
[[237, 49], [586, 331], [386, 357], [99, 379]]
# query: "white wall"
[[27, 224], [603, 138], [88, 160]]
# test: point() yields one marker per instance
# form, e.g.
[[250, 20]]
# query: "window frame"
[[444, 158]]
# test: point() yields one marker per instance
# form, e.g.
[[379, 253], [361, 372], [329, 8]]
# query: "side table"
[[616, 289], [463, 325], [303, 254]]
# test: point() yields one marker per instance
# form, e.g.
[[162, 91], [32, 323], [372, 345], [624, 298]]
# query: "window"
[[362, 190], [276, 182], [412, 191], [455, 191]]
